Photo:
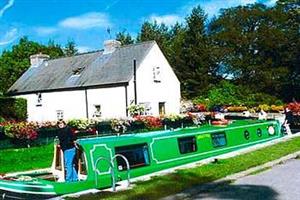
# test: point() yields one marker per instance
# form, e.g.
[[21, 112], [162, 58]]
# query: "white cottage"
[[108, 80]]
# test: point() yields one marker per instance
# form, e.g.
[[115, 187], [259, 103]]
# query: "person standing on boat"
[[67, 145]]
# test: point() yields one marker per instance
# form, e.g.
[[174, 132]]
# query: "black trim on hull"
[[7, 195]]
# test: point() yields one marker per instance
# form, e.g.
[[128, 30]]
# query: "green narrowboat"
[[102, 161]]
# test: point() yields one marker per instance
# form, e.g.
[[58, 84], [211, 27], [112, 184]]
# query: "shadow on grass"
[[226, 190]]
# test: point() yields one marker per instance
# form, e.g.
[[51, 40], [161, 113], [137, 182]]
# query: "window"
[[247, 135], [147, 108], [187, 144], [60, 114], [39, 99], [97, 113], [77, 71], [156, 74], [219, 139], [137, 156], [259, 132], [162, 108]]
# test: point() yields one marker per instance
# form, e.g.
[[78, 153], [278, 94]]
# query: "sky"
[[86, 21]]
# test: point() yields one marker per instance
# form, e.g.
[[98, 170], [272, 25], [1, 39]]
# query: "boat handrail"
[[112, 173], [127, 166]]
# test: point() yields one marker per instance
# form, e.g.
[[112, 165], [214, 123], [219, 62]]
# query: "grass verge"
[[162, 186], [14, 160]]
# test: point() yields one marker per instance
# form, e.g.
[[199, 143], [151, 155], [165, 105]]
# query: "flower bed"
[[294, 107], [26, 133]]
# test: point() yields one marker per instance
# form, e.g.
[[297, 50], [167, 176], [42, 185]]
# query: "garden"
[[16, 132]]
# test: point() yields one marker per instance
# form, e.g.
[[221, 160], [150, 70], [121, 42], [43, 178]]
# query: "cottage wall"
[[73, 104], [149, 91]]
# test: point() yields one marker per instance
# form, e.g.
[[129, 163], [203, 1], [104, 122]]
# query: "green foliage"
[[15, 62], [70, 48], [79, 124], [135, 109], [20, 109], [12, 108], [158, 32], [124, 38], [227, 93], [257, 46]]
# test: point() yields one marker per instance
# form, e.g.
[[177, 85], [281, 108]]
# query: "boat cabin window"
[[219, 139], [187, 144], [247, 135], [137, 156]]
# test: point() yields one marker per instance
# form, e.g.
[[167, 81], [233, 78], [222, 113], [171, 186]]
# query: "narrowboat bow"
[[103, 161]]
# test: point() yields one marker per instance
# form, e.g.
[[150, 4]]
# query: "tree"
[[158, 32], [197, 68], [254, 40], [124, 38], [15, 62], [70, 48]]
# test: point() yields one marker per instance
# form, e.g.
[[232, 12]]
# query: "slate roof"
[[98, 69]]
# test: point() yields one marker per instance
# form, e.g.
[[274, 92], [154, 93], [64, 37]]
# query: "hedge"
[[13, 108]]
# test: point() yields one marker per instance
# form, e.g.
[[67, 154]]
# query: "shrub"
[[120, 125], [79, 124], [275, 108], [104, 127], [13, 108], [294, 107], [2, 119], [20, 108], [264, 107], [236, 108], [135, 110], [21, 131], [150, 122], [227, 93]]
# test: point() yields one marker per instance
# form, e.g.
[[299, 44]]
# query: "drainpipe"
[[134, 81], [86, 104], [126, 100]]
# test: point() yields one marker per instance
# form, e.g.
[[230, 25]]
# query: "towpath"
[[281, 182]]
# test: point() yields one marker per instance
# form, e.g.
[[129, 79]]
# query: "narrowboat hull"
[[144, 154], [25, 190]]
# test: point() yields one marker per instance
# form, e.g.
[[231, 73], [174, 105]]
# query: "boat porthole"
[[271, 130], [259, 132], [247, 135]]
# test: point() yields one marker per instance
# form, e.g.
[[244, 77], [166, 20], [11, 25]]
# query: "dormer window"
[[156, 74], [77, 71]]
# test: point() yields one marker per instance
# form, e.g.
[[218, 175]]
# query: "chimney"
[[110, 46], [38, 59]]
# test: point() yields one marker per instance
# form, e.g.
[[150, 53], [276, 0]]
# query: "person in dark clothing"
[[288, 120], [67, 145], [288, 116]]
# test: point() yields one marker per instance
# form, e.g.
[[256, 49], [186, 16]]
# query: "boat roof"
[[180, 132]]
